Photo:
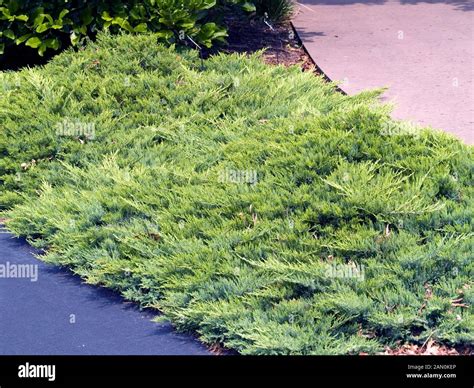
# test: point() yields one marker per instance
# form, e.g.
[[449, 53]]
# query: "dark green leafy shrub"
[[45, 25], [277, 10]]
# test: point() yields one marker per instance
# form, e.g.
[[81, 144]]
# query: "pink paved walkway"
[[422, 50]]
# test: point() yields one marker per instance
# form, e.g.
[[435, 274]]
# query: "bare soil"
[[280, 43]]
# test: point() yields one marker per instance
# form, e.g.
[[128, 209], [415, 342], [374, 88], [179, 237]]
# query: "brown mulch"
[[281, 43], [430, 348]]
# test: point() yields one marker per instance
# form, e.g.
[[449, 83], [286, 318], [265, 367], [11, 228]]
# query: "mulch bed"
[[430, 348], [281, 43]]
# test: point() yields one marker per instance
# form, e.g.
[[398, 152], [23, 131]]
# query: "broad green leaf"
[[63, 13], [106, 16], [9, 34], [22, 38], [142, 27], [249, 7], [22, 18], [33, 42], [42, 28], [52, 43], [41, 49]]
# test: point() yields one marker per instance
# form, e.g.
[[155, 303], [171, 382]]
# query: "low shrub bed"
[[48, 25], [251, 204]]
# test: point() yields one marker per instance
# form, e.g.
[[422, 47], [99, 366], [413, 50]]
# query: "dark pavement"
[[37, 317]]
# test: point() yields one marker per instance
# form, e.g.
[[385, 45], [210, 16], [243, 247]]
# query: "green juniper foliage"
[[251, 204]]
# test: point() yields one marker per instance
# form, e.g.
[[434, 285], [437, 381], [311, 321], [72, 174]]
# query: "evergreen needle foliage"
[[251, 204]]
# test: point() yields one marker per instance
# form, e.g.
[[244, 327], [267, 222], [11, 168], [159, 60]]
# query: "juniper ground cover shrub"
[[251, 204]]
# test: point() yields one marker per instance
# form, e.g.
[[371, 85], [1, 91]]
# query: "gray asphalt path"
[[422, 50], [59, 315]]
